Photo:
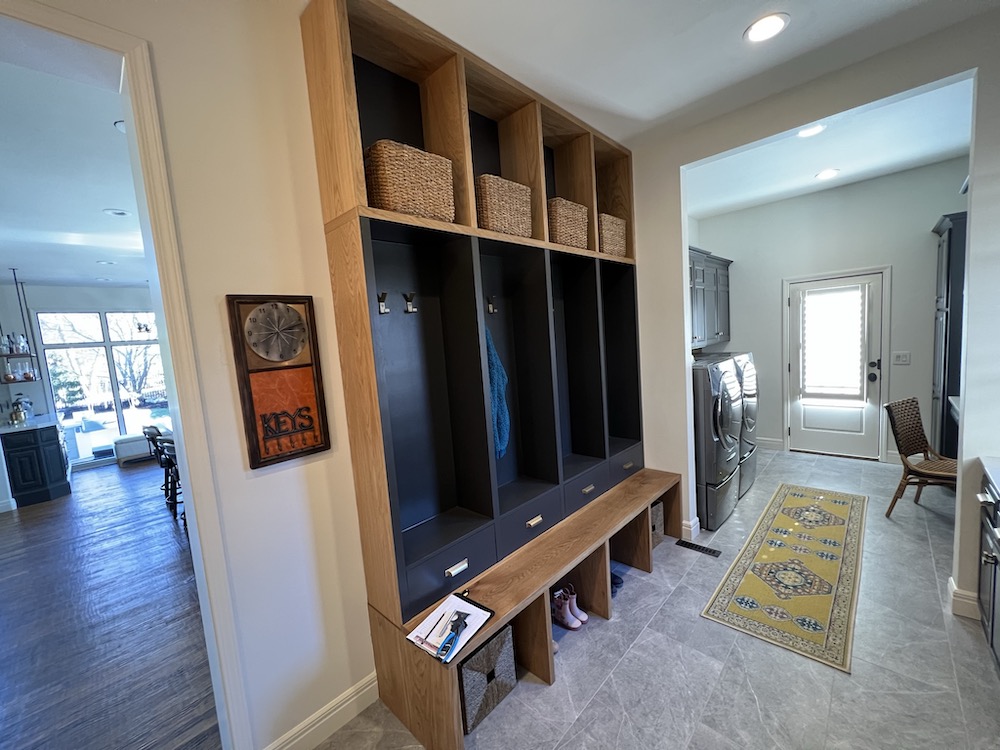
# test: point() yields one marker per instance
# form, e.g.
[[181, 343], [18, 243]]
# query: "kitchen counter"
[[36, 423]]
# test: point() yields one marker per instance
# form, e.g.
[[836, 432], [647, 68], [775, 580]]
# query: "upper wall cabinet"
[[709, 282]]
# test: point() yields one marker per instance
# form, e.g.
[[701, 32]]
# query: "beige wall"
[[661, 233], [882, 222], [234, 114]]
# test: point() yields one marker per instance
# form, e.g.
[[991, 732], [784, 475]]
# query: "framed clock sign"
[[278, 372]]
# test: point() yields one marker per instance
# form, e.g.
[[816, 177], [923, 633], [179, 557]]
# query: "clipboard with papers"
[[452, 624]]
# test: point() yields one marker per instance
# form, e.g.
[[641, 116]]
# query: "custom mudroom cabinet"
[[455, 476]]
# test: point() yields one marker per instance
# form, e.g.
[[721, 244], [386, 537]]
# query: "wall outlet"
[[901, 358]]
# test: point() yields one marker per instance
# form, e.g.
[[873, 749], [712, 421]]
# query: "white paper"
[[429, 634]]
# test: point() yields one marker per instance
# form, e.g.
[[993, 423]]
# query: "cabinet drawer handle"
[[588, 489], [457, 568], [628, 466], [533, 522], [988, 558], [985, 500]]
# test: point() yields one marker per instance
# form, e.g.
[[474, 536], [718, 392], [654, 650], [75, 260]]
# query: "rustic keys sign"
[[278, 373]]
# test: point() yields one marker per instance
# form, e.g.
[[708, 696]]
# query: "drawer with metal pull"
[[527, 521], [582, 489], [625, 464], [450, 568]]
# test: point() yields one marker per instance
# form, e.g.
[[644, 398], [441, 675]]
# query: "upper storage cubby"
[[613, 165], [506, 128], [569, 165], [375, 72]]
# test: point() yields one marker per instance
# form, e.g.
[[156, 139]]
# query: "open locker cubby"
[[621, 349], [613, 168], [430, 369], [576, 318], [515, 293], [568, 153]]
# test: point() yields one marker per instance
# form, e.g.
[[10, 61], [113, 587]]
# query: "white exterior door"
[[834, 365]]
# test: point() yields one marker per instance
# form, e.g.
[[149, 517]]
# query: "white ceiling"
[[622, 66], [881, 138]]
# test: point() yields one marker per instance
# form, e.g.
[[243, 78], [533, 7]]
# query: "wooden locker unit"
[[439, 510]]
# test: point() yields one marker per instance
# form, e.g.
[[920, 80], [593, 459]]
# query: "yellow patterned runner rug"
[[795, 582]]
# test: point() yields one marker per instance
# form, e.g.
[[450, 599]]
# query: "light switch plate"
[[901, 358]]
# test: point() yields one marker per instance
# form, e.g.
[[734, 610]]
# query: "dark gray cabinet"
[[949, 301], [36, 465], [709, 283], [564, 329]]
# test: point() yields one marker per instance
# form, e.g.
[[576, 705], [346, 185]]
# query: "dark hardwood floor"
[[101, 642]]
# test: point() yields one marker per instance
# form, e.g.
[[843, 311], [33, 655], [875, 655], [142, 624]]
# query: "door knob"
[[872, 377]]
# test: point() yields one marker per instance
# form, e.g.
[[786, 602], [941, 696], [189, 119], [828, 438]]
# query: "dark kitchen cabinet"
[[949, 301], [36, 465]]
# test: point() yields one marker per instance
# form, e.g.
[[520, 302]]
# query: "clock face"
[[275, 331]]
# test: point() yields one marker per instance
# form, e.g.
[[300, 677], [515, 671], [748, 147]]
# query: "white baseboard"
[[690, 529], [892, 457], [7, 505], [963, 603], [330, 718], [771, 444]]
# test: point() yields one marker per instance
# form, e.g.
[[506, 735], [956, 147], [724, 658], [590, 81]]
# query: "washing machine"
[[746, 373], [718, 420]]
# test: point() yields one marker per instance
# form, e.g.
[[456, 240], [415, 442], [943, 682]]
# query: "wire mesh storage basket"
[[487, 677], [567, 223], [503, 205], [405, 179], [612, 233]]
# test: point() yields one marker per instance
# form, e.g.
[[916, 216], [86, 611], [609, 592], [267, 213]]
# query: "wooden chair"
[[908, 430]]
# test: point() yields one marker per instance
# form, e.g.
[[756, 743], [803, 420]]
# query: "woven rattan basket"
[[503, 206], [612, 233], [405, 179], [567, 223], [486, 677]]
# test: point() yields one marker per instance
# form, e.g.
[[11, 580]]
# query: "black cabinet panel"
[[589, 485], [36, 465], [388, 106], [623, 465], [621, 352], [448, 570], [25, 470]]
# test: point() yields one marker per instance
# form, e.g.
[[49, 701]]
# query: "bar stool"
[[173, 477]]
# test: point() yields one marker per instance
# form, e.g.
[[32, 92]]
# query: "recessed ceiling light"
[[117, 212], [120, 125], [811, 131], [101, 278], [766, 27], [106, 262], [827, 174]]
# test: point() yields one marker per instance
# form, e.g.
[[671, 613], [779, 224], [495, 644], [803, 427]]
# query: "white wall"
[[882, 222], [235, 120], [661, 232]]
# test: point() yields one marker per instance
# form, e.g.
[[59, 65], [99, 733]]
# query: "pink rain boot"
[[561, 614], [578, 613]]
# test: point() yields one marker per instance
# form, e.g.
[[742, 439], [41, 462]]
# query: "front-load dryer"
[[718, 412]]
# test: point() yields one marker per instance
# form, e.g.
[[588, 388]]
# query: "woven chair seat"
[[908, 431], [936, 467]]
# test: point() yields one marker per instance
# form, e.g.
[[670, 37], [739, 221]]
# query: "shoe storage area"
[[491, 380]]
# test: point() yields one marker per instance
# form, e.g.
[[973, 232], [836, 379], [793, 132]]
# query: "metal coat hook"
[[382, 309], [491, 305], [409, 302]]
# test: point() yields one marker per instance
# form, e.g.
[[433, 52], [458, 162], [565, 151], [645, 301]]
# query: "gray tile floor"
[[660, 676]]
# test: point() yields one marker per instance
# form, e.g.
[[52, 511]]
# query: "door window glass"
[[833, 341]]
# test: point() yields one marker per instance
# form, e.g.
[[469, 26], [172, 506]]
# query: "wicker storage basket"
[[405, 179], [612, 232], [656, 519], [486, 677], [503, 206], [567, 223]]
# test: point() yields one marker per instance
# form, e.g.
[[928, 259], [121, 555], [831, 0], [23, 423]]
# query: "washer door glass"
[[728, 411], [749, 395]]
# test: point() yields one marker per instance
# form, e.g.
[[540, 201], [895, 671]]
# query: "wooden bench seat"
[[424, 693]]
